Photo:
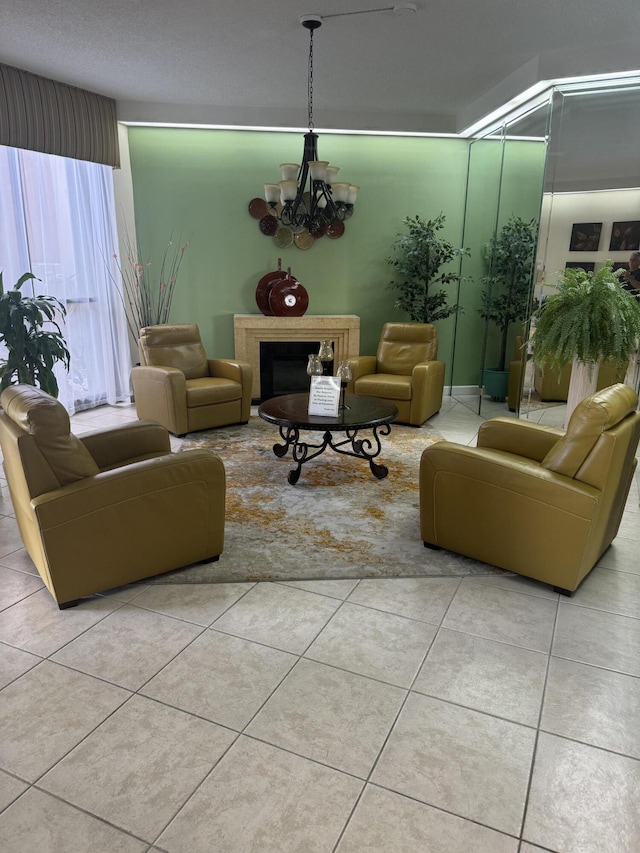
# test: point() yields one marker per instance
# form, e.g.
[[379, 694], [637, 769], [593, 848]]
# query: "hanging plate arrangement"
[[335, 230]]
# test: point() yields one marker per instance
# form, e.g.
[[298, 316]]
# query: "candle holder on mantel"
[[326, 357]]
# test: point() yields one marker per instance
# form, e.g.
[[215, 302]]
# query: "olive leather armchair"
[[109, 508], [534, 500], [405, 371], [177, 386]]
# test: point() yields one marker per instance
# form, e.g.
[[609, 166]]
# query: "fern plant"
[[32, 350], [506, 297], [418, 257], [589, 319]]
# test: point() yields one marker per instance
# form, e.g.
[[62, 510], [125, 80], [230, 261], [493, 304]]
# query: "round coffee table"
[[291, 414]]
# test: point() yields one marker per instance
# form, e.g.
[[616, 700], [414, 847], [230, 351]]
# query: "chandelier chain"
[[310, 82]]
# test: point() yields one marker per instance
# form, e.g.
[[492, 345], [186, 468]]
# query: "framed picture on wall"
[[585, 237], [625, 236], [587, 266]]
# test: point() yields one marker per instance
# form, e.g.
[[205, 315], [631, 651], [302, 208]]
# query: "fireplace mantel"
[[251, 329]]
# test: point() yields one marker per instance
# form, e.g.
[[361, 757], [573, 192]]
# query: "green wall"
[[198, 183]]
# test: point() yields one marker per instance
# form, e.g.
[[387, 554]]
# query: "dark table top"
[[292, 410]]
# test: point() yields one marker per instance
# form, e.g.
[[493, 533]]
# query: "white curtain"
[[57, 220]]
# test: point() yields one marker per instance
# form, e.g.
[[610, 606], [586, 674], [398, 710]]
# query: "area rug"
[[338, 521]]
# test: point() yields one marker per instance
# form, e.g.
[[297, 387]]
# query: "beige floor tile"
[[39, 823], [462, 761], [14, 662], [623, 554], [583, 799], [49, 710], [278, 616], [222, 678], [20, 561], [259, 799], [36, 624], [199, 603], [140, 766], [128, 647], [502, 615], [334, 589], [597, 638], [331, 716], [525, 847], [425, 599], [372, 643], [515, 583], [496, 678], [14, 586], [10, 789], [385, 821], [613, 591], [9, 536], [630, 529], [593, 705]]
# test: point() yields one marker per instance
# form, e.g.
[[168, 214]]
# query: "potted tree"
[[417, 259], [590, 319], [32, 350], [506, 296]]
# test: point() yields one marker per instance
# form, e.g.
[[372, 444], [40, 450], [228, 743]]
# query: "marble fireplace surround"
[[250, 330]]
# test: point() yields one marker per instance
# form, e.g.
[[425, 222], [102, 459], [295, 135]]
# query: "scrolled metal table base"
[[351, 445]]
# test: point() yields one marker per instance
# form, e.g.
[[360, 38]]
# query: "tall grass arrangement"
[[147, 299]]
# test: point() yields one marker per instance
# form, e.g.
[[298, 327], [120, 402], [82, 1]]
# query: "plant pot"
[[496, 383]]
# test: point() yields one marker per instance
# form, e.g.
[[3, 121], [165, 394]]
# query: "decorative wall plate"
[[303, 240], [258, 208], [288, 298], [268, 225], [283, 237], [335, 230]]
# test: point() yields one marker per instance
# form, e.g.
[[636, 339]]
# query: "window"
[[57, 220]]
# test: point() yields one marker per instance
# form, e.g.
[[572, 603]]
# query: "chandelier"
[[308, 197]]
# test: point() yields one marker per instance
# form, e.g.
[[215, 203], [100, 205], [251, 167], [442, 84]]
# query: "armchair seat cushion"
[[385, 385], [209, 391]]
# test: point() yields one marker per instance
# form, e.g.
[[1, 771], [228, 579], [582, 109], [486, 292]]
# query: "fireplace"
[[283, 367], [251, 330]]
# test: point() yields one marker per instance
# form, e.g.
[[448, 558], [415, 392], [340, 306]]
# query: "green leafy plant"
[[418, 257], [32, 350], [147, 300], [589, 319], [506, 297]]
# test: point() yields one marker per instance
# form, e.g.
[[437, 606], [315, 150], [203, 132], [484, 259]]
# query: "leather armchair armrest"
[[116, 445], [239, 371], [521, 438], [362, 365], [226, 368], [161, 395], [427, 385]]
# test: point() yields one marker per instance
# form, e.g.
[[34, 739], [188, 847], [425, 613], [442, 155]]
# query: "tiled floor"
[[440, 715]]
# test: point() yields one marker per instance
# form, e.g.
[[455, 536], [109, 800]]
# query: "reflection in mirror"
[[505, 182], [591, 188]]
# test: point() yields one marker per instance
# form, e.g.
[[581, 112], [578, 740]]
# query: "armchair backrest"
[[40, 452], [174, 345], [600, 421], [403, 345]]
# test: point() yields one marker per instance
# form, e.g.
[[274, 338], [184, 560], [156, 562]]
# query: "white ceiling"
[[245, 61]]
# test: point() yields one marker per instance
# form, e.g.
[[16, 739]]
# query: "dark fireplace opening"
[[283, 367]]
